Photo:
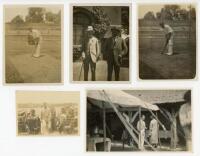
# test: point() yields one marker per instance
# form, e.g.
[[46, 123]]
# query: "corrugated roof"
[[159, 96]]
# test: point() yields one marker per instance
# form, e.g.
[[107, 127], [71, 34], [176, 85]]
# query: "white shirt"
[[167, 29], [36, 33]]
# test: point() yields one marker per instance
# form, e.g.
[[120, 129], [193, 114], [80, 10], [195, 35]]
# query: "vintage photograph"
[[47, 113], [139, 120], [33, 44], [167, 41], [100, 49]]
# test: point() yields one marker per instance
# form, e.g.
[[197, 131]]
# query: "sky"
[[12, 11], [143, 9], [52, 97]]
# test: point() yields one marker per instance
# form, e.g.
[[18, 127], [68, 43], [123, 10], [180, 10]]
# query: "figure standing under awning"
[[153, 129], [141, 126]]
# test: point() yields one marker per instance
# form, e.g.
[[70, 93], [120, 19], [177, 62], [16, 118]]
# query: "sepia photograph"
[[100, 41], [33, 44], [47, 113], [167, 41], [139, 120]]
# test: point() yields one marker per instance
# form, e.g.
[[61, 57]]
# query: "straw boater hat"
[[90, 28]]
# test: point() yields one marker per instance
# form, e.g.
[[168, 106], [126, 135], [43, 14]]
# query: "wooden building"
[[111, 112]]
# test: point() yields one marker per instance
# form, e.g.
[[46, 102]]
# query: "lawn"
[[19, 61], [154, 65]]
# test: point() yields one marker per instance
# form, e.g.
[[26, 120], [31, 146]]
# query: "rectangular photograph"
[[167, 41], [47, 113], [139, 120], [33, 44], [100, 39]]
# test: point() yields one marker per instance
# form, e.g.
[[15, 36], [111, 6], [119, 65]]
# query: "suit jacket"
[[91, 48], [114, 48]]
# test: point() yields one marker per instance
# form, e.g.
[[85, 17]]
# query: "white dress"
[[153, 128]]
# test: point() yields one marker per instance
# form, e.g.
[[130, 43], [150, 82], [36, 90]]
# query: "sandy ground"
[[118, 146], [154, 65], [101, 72]]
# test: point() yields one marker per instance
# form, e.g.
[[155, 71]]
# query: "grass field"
[[17, 46], [154, 65]]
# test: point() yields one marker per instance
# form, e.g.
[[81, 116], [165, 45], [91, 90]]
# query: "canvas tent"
[[119, 99]]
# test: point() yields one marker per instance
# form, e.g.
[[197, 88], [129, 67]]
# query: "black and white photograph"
[[100, 49], [139, 120], [47, 113], [167, 41], [33, 44]]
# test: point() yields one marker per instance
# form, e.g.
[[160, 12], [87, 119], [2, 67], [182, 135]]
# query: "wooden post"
[[104, 126], [173, 130], [139, 143], [159, 143]]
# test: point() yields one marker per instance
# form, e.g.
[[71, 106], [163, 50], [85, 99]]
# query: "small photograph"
[[167, 41], [100, 49], [47, 113], [139, 120], [33, 44]]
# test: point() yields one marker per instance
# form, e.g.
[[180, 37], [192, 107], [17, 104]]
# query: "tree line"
[[38, 15], [172, 13]]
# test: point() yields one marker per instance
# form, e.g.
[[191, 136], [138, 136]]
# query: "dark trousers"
[[88, 62], [112, 65]]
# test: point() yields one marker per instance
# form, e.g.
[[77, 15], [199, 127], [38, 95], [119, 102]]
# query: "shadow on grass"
[[12, 75]]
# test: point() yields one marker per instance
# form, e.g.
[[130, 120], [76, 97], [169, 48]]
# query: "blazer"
[[114, 48], [91, 48]]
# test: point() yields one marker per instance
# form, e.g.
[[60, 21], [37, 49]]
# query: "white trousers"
[[141, 140], [170, 45], [36, 52]]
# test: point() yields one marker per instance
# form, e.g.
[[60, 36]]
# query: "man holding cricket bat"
[[169, 36], [35, 38]]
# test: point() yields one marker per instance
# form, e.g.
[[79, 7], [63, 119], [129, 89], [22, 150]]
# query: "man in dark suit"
[[115, 48]]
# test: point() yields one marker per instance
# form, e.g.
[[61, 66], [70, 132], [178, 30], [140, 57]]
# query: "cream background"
[[11, 145]]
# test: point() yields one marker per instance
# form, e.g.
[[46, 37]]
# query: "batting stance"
[[169, 36], [35, 39], [90, 53]]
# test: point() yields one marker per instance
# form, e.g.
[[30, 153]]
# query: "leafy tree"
[[50, 17], [17, 20], [149, 16], [193, 13], [55, 18], [175, 13], [58, 18], [102, 21], [35, 15], [125, 18]]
